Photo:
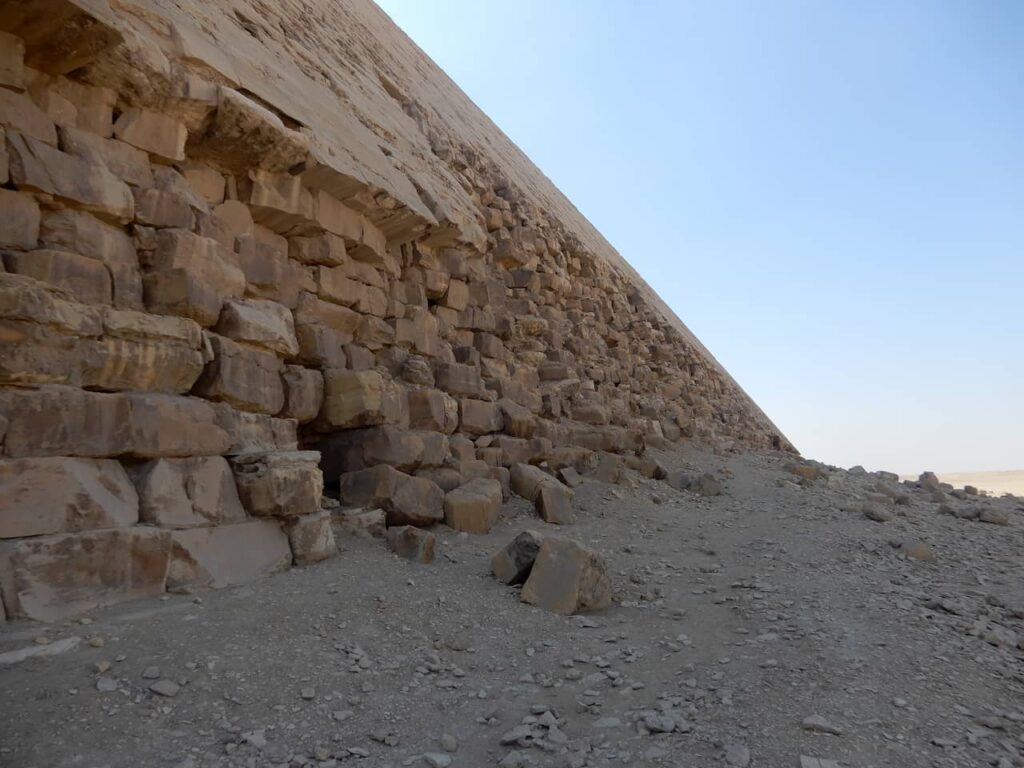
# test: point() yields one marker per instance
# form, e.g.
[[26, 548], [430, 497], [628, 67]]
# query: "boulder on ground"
[[405, 499], [474, 506], [554, 504], [311, 537], [279, 483], [362, 523], [227, 554], [513, 562], [568, 577], [411, 543], [704, 484]]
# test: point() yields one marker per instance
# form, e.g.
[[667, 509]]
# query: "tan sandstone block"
[[255, 432], [434, 410], [327, 250], [244, 377], [187, 493], [356, 398], [567, 577], [473, 507], [155, 133], [48, 578], [261, 323], [406, 500], [63, 495], [311, 538], [87, 280], [37, 166], [225, 555], [204, 181], [303, 393], [279, 484]]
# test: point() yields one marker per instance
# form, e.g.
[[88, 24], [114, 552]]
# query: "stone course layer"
[[251, 251]]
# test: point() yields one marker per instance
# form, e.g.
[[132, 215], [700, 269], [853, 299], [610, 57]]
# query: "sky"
[[829, 194]]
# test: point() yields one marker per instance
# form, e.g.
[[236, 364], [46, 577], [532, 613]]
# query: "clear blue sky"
[[830, 194]]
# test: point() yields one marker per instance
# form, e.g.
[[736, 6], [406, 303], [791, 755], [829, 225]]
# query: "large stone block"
[[246, 378], [162, 209], [279, 484], [360, 399], [568, 577], [19, 220], [255, 432], [36, 166], [51, 577], [243, 134], [83, 234], [259, 322], [64, 421], [12, 61], [187, 493], [269, 274], [411, 543], [433, 410], [479, 417], [406, 500], [325, 250], [303, 393], [64, 495], [311, 538], [18, 113], [227, 554], [458, 379], [123, 160], [473, 507], [160, 135], [87, 280], [512, 563]]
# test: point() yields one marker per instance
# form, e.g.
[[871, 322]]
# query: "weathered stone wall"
[[236, 236]]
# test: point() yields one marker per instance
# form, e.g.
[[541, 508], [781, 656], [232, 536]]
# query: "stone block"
[[433, 410], [567, 577], [457, 295], [19, 114], [361, 523], [356, 449], [517, 420], [458, 379], [157, 208], [473, 507], [204, 181], [48, 578], [360, 399], [243, 134], [526, 480], [268, 272], [554, 504], [64, 495], [406, 500], [83, 234], [123, 160], [411, 543], [87, 280], [279, 484], [255, 432], [158, 134], [12, 61], [187, 493], [311, 538], [246, 378], [261, 323], [37, 166], [479, 417], [278, 201], [19, 220], [324, 250], [227, 554], [303, 393], [512, 563], [446, 478], [64, 421]]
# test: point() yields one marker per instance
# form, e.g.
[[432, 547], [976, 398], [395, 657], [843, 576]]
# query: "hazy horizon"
[[830, 196]]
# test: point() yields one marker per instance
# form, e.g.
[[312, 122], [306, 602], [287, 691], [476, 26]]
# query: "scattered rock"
[[567, 577]]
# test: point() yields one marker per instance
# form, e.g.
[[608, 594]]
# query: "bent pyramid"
[[253, 248]]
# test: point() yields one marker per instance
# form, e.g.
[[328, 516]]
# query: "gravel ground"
[[773, 622]]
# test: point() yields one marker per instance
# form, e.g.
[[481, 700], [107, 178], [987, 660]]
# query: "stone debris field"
[[331, 433]]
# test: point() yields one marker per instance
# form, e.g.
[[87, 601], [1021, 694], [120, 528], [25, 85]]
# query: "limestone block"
[[243, 134], [419, 332], [458, 379], [333, 284], [204, 181], [326, 250], [12, 61], [517, 420], [187, 493], [337, 218], [374, 333], [446, 478], [19, 220], [64, 495], [361, 523], [406, 500], [83, 234], [527, 480], [255, 432], [64, 421], [411, 543], [236, 217], [457, 295], [158, 134], [48, 578], [19, 114], [227, 554], [123, 160], [261, 323], [279, 484], [567, 577], [93, 105], [554, 503], [478, 417], [311, 538], [360, 399], [244, 377], [303, 393], [279, 202], [157, 208], [268, 272], [37, 166], [605, 467], [512, 563], [473, 507], [433, 410], [87, 280]]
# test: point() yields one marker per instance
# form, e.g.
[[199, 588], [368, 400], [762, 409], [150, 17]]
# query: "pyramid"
[[255, 250]]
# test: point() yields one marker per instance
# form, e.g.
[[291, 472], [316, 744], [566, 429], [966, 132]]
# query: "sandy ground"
[[735, 619]]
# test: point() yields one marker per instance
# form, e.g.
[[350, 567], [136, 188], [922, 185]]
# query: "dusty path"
[[737, 617]]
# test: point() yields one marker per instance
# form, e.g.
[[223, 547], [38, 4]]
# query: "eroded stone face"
[[187, 493], [279, 484], [406, 500], [227, 554]]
